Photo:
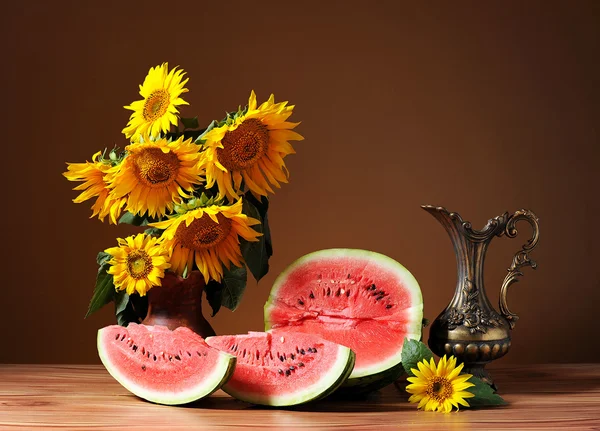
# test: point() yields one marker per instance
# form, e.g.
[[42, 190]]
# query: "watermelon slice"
[[284, 369], [163, 366], [357, 298]]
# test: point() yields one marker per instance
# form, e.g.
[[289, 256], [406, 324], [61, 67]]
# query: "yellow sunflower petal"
[[156, 174], [155, 113], [242, 150], [138, 263]]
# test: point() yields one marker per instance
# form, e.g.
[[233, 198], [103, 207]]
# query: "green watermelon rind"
[[363, 385], [330, 381], [412, 331], [343, 378], [222, 372]]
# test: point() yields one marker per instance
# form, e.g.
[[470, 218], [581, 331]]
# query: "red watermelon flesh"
[[361, 299], [163, 366], [283, 369]]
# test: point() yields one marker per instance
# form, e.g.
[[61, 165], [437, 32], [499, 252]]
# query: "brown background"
[[478, 107]]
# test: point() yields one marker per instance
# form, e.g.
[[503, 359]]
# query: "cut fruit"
[[357, 298], [284, 369], [163, 366]]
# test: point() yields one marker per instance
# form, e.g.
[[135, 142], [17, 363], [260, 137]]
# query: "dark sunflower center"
[[139, 264], [203, 233], [156, 105], [155, 168], [244, 146], [439, 388]]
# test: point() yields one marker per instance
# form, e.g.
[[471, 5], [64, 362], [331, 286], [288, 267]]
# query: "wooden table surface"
[[70, 397]]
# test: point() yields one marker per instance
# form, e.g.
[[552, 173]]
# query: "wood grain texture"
[[70, 397]]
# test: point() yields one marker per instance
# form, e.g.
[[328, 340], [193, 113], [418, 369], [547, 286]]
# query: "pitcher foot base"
[[479, 371]]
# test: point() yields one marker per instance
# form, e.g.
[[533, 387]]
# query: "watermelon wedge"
[[284, 369], [357, 298], [163, 366]]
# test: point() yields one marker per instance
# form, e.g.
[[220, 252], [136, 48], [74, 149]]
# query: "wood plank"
[[56, 397]]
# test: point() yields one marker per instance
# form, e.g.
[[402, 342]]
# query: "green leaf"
[[190, 123], [133, 219], [130, 308], [255, 253], [104, 291], [263, 207], [123, 310], [102, 258], [154, 231], [200, 139], [484, 394], [234, 284], [414, 351], [267, 235], [214, 293]]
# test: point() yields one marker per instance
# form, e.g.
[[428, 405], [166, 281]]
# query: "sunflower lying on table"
[[201, 193]]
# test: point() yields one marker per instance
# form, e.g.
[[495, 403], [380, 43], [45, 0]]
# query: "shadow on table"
[[389, 399]]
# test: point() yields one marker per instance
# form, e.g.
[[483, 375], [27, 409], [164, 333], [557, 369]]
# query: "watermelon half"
[[284, 369], [163, 366], [356, 298]]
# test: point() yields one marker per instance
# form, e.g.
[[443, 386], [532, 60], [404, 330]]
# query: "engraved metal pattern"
[[469, 327], [470, 313], [520, 260]]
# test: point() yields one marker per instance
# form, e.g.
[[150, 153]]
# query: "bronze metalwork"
[[469, 327]]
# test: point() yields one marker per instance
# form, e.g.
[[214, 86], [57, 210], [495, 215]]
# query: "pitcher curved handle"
[[520, 260]]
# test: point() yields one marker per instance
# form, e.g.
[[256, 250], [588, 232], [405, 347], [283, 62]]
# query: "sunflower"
[[157, 111], [250, 146], [208, 237], [138, 263], [439, 388], [156, 174], [95, 177]]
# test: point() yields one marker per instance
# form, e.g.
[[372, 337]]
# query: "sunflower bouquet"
[[201, 194]]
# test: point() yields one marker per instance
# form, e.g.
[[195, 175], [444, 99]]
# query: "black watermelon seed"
[[311, 296], [314, 350], [280, 371], [117, 337], [328, 291], [373, 287], [302, 351], [388, 306], [143, 368], [378, 298], [300, 302], [348, 276], [292, 368], [154, 357], [288, 372], [178, 357], [135, 348], [281, 358], [348, 293], [293, 356], [301, 364]]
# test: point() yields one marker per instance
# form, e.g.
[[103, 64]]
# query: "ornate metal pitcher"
[[470, 328]]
